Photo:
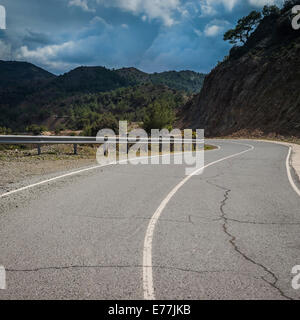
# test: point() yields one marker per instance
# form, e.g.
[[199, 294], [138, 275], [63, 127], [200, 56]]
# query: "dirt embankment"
[[256, 88]]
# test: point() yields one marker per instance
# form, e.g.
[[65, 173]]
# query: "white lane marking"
[[80, 171], [147, 251], [49, 180], [288, 169]]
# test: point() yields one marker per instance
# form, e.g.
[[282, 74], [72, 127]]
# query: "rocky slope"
[[256, 87]]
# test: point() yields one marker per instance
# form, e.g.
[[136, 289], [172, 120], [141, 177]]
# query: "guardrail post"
[[75, 149], [105, 147], [172, 144], [194, 142], [160, 144], [39, 149]]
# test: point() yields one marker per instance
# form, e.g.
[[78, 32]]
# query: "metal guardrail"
[[75, 140], [40, 140], [47, 140]]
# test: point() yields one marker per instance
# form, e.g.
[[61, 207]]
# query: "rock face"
[[256, 88]]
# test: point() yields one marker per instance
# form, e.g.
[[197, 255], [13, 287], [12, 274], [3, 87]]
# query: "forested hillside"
[[86, 97], [89, 112], [188, 81]]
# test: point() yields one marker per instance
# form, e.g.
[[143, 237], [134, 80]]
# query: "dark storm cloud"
[[149, 34]]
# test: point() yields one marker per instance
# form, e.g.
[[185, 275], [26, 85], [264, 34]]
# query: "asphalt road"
[[229, 233]]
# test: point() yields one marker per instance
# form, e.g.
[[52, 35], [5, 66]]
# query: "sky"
[[151, 35]]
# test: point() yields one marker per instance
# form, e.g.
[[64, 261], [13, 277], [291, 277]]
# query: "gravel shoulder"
[[20, 167]]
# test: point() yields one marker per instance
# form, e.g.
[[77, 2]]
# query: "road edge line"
[[289, 161], [288, 169]]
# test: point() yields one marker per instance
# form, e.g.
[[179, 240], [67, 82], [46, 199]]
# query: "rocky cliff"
[[256, 88]]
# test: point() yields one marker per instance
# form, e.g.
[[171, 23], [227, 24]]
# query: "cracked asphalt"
[[230, 233]]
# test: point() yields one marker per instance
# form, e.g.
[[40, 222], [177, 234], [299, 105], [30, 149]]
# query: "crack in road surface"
[[233, 240], [116, 267], [265, 223]]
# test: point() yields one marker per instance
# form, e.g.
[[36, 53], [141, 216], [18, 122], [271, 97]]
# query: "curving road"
[[134, 232]]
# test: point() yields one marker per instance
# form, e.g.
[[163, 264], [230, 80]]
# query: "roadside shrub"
[[4, 130], [159, 116], [36, 129]]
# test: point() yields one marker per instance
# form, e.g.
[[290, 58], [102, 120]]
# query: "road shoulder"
[[295, 156]]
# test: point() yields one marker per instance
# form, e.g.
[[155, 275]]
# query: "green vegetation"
[[20, 73], [93, 112], [89, 98], [188, 81], [246, 25], [243, 29], [59, 128], [88, 80], [270, 11], [106, 120], [208, 147], [4, 130], [159, 115], [35, 129]]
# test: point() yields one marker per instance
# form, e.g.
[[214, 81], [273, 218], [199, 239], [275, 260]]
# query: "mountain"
[[256, 88], [90, 79], [135, 76], [17, 81], [14, 73], [32, 95], [188, 81]]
